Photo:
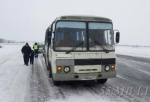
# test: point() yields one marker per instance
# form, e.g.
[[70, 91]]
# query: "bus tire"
[[56, 83], [101, 81]]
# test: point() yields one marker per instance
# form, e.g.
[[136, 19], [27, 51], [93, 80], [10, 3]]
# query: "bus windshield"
[[101, 33], [68, 34]]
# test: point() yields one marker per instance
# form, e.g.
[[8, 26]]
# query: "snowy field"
[[19, 83], [133, 51]]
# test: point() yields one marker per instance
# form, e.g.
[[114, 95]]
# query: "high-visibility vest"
[[35, 47]]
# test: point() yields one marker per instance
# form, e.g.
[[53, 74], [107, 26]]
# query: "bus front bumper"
[[83, 76]]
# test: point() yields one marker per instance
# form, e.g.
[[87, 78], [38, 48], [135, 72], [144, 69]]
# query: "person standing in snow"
[[26, 50], [36, 48]]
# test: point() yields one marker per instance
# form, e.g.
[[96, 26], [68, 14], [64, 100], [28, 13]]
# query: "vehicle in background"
[[81, 48]]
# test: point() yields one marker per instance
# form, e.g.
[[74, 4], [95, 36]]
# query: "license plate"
[[88, 78]]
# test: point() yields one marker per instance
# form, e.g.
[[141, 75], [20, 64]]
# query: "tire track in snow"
[[133, 72], [57, 93], [36, 88], [41, 88]]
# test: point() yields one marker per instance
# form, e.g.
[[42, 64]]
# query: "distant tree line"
[[6, 41], [2, 40]]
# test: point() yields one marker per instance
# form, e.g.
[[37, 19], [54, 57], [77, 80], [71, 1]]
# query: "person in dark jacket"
[[36, 48], [32, 57], [26, 50]]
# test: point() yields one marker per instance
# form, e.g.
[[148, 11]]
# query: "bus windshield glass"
[[68, 34], [101, 33]]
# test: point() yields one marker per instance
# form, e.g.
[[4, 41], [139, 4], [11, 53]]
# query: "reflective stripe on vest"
[[35, 47]]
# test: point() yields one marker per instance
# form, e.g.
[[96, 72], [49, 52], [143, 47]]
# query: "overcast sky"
[[28, 19]]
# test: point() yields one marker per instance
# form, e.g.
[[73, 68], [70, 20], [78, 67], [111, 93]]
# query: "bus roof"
[[83, 18]]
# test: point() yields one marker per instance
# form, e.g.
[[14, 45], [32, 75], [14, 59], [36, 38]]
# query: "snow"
[[8, 50], [15, 77], [133, 51], [81, 99]]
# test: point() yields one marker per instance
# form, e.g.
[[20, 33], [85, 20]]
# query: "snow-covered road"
[[14, 76], [20, 83]]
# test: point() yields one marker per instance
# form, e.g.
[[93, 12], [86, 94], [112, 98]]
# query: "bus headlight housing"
[[66, 69], [107, 68]]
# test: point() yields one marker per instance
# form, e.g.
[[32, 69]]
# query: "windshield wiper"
[[73, 48], [96, 42]]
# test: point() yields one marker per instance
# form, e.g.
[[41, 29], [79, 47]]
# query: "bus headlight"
[[107, 68], [66, 69]]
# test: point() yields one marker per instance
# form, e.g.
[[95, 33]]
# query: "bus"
[[81, 48]]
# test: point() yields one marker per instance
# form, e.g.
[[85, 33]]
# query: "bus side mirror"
[[117, 37]]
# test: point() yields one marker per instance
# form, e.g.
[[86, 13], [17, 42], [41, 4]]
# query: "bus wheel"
[[56, 83], [101, 81]]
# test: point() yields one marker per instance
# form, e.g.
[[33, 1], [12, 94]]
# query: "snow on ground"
[[8, 50], [15, 80], [14, 84], [133, 51], [15, 77]]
